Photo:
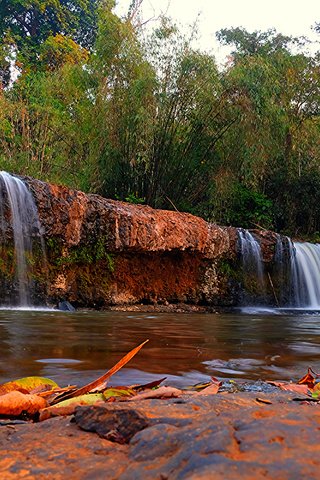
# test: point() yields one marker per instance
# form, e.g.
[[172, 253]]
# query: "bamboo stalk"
[[274, 292]]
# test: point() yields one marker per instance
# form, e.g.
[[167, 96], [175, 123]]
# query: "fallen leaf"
[[315, 391], [56, 411], [118, 392], [15, 403], [212, 389], [264, 400], [146, 386], [198, 386], [55, 392], [101, 382], [67, 407], [162, 392], [308, 379], [290, 387], [28, 385]]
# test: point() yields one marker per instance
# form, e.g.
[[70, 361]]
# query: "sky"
[[290, 17]]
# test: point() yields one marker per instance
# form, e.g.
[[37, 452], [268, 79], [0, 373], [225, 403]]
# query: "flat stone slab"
[[223, 436]]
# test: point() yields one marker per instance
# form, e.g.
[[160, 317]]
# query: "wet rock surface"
[[103, 252], [117, 426], [223, 436]]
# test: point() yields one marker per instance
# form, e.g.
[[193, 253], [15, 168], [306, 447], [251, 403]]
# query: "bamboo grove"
[[106, 105]]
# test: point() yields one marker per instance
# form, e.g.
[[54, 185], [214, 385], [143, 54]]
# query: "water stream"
[[25, 226], [251, 259], [187, 348], [296, 263], [78, 347], [251, 254], [305, 275]]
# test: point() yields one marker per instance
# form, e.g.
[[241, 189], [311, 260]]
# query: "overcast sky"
[[291, 17]]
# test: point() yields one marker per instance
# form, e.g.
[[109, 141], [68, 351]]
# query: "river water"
[[75, 348]]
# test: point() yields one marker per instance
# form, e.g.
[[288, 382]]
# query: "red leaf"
[[101, 382]]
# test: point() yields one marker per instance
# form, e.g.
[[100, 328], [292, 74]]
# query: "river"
[[75, 348]]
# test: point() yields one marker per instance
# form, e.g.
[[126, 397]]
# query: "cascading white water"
[[25, 224], [296, 270], [251, 255], [305, 275]]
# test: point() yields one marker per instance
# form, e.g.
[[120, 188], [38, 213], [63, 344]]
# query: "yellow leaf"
[[67, 407], [118, 392], [28, 384]]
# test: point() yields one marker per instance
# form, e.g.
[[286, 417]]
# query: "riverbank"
[[224, 436], [166, 308]]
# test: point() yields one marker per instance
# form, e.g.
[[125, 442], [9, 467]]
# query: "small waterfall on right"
[[305, 276]]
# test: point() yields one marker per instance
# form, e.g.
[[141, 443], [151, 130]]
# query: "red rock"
[[208, 437], [103, 252]]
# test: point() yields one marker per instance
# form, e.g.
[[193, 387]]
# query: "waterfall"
[[305, 275], [251, 257], [17, 205], [296, 271]]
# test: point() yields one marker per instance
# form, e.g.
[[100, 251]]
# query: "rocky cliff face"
[[102, 252]]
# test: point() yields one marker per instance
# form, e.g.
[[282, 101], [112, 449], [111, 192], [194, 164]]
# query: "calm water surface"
[[187, 348]]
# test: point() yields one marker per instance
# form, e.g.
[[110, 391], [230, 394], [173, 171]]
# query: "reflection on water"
[[187, 348]]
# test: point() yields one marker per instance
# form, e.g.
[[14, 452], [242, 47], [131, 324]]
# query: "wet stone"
[[116, 426], [217, 437], [154, 442]]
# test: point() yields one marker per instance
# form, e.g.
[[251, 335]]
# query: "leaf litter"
[[39, 398]]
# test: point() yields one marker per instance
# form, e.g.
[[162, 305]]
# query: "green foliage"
[[81, 255], [255, 43], [26, 25], [161, 115], [298, 208], [45, 130], [59, 50], [249, 209], [103, 107], [227, 269], [243, 207], [132, 198]]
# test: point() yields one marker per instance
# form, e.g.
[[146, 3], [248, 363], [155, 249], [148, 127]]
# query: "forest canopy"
[[97, 102]]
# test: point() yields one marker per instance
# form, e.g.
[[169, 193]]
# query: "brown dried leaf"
[[290, 387], [155, 383], [55, 392], [47, 413], [101, 382], [212, 389], [308, 379], [264, 400], [13, 404], [162, 392]]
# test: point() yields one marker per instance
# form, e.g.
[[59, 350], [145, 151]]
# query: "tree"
[[255, 43], [276, 94], [163, 115], [26, 25]]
